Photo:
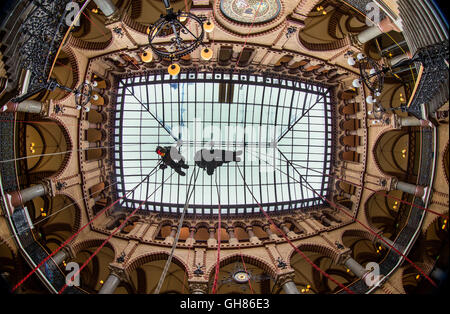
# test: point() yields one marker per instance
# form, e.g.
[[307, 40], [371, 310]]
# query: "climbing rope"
[[113, 233], [334, 205], [60, 210], [248, 34], [362, 187], [180, 225], [59, 153], [289, 241], [216, 275], [245, 268], [81, 229]]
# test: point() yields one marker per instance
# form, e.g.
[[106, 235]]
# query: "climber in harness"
[[212, 159], [171, 158]]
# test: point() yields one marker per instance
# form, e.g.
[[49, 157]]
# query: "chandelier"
[[83, 93], [372, 73], [183, 40]]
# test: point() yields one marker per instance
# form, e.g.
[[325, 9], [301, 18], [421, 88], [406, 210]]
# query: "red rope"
[[95, 25], [245, 268], [364, 187], [367, 227], [248, 34], [289, 241], [216, 275], [375, 191], [111, 235], [70, 239]]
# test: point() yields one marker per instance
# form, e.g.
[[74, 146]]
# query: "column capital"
[[286, 276], [198, 287], [118, 271]]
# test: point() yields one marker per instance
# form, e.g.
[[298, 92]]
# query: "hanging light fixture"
[[356, 83], [206, 53], [351, 61], [208, 26], [173, 69], [146, 56], [370, 99], [183, 41]]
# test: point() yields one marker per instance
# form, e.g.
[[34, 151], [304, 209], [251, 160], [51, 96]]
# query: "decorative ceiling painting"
[[250, 11]]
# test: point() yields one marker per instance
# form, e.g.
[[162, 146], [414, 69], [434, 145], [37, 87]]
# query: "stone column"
[[191, 239], [30, 106], [269, 232], [303, 223], [355, 267], [253, 239], [59, 257], [106, 6], [93, 200], [286, 230], [110, 284], [385, 26], [19, 198], [379, 241], [397, 59], [413, 189], [326, 220], [233, 239], [198, 287], [212, 240], [413, 121], [171, 237], [349, 133], [322, 219], [236, 52], [286, 281]]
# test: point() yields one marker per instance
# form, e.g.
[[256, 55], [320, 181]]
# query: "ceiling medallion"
[[250, 11]]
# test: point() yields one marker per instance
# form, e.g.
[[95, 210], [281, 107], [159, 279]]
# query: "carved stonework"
[[50, 187], [118, 271], [285, 277], [198, 287]]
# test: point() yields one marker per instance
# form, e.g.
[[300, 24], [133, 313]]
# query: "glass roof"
[[269, 119]]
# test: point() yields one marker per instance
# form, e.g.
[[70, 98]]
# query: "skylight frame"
[[286, 83]]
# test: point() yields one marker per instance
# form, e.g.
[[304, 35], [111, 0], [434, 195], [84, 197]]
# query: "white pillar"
[[21, 197], [30, 106], [397, 59], [413, 189], [59, 257], [384, 26], [290, 288], [110, 285], [355, 267], [413, 121]]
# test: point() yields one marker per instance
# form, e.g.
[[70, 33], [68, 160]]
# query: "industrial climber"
[[212, 159], [171, 158]]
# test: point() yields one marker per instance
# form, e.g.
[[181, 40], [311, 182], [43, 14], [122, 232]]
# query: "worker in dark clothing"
[[171, 158], [211, 159]]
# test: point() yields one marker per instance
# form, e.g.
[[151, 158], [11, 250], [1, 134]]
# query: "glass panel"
[[248, 115]]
